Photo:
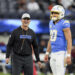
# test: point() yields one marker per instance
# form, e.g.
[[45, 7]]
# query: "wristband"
[[47, 53], [68, 55]]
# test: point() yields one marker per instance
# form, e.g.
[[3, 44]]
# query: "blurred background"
[[10, 18]]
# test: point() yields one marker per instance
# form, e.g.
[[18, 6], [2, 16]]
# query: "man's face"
[[54, 15], [25, 22]]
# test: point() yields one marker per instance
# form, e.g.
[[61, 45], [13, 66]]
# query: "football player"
[[60, 42]]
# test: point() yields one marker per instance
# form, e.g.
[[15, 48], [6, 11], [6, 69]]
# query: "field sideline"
[[1, 73]]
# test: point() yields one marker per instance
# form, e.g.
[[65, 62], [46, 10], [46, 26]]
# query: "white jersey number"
[[53, 35]]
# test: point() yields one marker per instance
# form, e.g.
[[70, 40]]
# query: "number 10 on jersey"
[[53, 35]]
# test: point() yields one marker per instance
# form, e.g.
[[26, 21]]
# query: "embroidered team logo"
[[25, 37]]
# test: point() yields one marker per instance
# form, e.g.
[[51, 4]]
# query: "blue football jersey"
[[57, 37]]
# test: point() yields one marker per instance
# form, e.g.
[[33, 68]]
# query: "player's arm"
[[47, 51], [48, 48], [67, 34]]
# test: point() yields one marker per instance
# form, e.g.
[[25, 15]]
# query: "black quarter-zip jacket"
[[20, 42]]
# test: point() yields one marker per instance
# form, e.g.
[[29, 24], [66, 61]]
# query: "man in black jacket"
[[20, 43]]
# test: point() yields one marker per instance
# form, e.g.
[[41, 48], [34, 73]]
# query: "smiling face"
[[25, 22], [55, 15]]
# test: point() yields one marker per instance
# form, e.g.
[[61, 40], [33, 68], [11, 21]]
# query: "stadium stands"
[[14, 8]]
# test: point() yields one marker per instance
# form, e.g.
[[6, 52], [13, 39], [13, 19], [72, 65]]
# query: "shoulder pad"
[[66, 21]]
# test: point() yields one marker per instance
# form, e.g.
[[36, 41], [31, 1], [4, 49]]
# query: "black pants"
[[19, 62]]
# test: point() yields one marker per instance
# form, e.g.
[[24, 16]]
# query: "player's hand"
[[68, 60], [7, 60], [46, 58], [39, 64]]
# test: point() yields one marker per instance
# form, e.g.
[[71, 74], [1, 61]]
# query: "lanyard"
[[23, 39]]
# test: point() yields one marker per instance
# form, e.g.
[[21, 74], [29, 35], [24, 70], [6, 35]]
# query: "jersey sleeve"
[[66, 24], [49, 26]]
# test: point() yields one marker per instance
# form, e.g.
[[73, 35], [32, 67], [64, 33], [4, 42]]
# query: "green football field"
[[1, 73]]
